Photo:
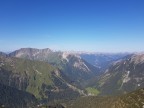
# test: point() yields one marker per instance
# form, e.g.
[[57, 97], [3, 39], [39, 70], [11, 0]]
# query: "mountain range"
[[72, 65], [46, 76], [122, 76]]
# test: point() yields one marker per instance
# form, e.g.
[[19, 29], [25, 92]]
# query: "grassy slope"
[[36, 77], [36, 72]]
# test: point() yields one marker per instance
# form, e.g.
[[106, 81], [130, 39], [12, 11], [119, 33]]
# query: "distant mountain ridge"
[[30, 53], [102, 60]]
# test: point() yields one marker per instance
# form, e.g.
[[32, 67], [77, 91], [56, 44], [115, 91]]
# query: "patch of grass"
[[35, 73], [92, 91]]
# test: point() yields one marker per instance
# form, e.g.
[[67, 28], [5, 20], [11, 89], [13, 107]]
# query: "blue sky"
[[80, 25]]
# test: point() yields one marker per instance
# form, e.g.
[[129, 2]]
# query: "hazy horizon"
[[75, 51], [72, 25]]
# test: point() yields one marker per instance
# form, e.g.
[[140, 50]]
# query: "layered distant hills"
[[41, 76], [102, 60]]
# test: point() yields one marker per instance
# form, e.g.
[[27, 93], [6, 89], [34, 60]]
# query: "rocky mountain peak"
[[30, 52]]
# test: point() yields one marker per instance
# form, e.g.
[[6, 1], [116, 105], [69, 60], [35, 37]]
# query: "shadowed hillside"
[[13, 98]]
